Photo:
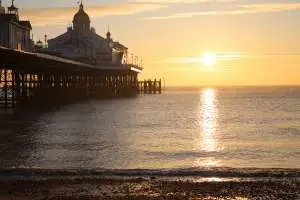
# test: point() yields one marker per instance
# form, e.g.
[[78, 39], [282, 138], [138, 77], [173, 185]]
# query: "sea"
[[179, 132]]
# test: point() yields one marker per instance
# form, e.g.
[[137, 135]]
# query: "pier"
[[150, 86], [42, 79], [76, 65]]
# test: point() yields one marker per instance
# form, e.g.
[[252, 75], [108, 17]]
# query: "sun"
[[208, 59]]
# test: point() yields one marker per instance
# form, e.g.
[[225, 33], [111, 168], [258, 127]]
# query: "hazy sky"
[[254, 42]]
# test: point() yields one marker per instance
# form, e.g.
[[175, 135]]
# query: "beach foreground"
[[148, 188]]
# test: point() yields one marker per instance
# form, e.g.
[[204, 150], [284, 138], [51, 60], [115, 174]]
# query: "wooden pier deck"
[[42, 79]]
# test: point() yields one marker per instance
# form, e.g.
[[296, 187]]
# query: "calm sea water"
[[224, 127]]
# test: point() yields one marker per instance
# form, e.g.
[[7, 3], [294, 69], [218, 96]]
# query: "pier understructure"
[[150, 86], [43, 79]]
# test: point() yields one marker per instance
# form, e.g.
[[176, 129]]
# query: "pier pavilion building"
[[14, 33], [82, 43], [76, 65]]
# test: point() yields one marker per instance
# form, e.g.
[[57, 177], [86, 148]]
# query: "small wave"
[[186, 172]]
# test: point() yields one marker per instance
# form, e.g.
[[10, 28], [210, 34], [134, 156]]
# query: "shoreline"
[[136, 184], [221, 172], [75, 187]]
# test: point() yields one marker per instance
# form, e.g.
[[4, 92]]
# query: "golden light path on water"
[[208, 124]]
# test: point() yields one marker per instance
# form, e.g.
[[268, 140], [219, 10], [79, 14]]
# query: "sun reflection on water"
[[208, 120], [207, 141]]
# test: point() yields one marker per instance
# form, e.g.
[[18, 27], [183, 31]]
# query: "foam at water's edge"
[[199, 172]]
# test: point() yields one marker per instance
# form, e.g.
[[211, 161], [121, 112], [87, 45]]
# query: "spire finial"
[[80, 4], [108, 34], [12, 2]]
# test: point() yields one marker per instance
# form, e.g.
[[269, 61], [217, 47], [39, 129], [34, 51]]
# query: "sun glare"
[[208, 59]]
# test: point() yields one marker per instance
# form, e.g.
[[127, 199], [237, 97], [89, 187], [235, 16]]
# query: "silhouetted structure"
[[14, 33], [82, 43], [150, 87], [44, 79], [76, 65]]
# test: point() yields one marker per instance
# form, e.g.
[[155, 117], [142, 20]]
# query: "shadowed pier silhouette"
[[44, 79]]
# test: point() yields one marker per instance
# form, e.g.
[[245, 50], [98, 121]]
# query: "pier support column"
[[5, 88]]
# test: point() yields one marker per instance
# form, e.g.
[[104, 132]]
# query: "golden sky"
[[192, 42]]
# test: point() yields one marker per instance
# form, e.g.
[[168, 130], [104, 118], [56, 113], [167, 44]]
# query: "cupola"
[[81, 20], [13, 10]]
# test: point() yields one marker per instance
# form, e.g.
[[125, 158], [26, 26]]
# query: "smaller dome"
[[39, 44], [81, 16]]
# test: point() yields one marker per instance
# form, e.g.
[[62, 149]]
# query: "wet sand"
[[147, 188]]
